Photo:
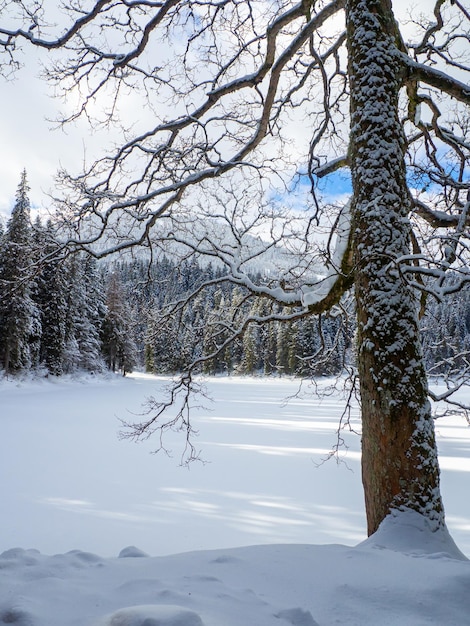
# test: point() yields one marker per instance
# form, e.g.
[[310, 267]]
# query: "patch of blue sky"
[[421, 180], [332, 188], [336, 185]]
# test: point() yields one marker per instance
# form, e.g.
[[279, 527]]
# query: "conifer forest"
[[63, 312]]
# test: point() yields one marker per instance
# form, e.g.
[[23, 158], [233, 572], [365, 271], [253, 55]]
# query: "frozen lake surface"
[[71, 482]]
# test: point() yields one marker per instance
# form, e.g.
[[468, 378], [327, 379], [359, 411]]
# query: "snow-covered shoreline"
[[270, 585]]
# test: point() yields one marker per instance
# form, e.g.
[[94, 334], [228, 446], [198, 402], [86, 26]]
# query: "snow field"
[[77, 493]]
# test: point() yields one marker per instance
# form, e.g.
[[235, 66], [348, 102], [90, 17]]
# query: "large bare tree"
[[229, 110]]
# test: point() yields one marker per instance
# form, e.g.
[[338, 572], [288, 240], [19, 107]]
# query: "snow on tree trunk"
[[399, 457]]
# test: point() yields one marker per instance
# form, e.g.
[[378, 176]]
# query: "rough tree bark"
[[399, 454]]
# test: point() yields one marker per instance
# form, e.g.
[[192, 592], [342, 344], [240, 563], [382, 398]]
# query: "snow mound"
[[132, 552], [15, 616], [267, 585], [153, 615], [297, 617], [411, 533]]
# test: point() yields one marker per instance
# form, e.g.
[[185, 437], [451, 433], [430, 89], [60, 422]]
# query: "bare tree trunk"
[[6, 361], [399, 456]]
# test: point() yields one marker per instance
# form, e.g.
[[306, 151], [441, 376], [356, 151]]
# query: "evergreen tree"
[[85, 310], [20, 325], [119, 348], [52, 290]]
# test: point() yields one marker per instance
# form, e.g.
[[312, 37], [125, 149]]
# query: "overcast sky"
[[29, 141]]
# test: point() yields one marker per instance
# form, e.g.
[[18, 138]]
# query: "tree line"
[[61, 313], [58, 314]]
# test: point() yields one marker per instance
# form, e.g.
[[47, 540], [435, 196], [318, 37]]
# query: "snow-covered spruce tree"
[[446, 335], [243, 93], [118, 345], [85, 312], [51, 297], [20, 325]]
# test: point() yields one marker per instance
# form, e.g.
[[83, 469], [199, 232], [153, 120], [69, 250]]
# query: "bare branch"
[[440, 219], [437, 79], [12, 35]]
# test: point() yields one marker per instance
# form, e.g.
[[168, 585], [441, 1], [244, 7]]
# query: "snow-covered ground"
[[74, 497]]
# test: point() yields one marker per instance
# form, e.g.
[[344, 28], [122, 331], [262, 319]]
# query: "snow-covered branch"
[[438, 79], [441, 219]]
